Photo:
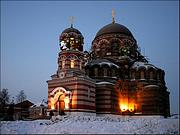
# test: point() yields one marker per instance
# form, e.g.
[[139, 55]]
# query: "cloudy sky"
[[30, 31]]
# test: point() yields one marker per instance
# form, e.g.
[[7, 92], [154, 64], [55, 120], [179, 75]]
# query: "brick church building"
[[112, 78]]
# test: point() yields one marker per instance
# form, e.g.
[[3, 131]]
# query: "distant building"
[[21, 110], [38, 111], [113, 78]]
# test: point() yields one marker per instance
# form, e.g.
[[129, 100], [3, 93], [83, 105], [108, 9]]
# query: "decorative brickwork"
[[112, 78]]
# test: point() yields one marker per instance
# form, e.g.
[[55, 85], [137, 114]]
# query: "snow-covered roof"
[[104, 83], [148, 86], [140, 64], [102, 62], [39, 104]]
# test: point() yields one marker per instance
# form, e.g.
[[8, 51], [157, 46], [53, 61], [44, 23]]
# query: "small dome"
[[71, 39], [71, 29], [114, 28]]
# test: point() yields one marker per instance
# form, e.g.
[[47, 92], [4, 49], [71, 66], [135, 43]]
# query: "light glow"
[[63, 64], [52, 103], [72, 63], [131, 107], [52, 106], [124, 107], [127, 106], [66, 101]]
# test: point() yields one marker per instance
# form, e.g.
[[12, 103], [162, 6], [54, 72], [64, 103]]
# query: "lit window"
[[63, 64], [72, 63]]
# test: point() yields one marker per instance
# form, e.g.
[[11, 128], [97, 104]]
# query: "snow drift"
[[109, 124]]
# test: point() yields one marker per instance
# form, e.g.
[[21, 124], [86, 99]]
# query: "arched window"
[[158, 76], [72, 63], [80, 65], [87, 72], [68, 63], [137, 75], [63, 64], [105, 71], [142, 74], [147, 75], [96, 71], [151, 74], [100, 72], [132, 75], [113, 72]]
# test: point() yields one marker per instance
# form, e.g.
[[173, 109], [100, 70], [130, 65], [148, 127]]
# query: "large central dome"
[[114, 28]]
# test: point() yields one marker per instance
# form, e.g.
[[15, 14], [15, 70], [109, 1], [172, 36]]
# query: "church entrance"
[[59, 100], [60, 104]]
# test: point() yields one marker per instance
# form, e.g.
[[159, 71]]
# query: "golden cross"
[[72, 20], [113, 16]]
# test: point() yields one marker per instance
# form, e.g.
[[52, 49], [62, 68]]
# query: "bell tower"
[[71, 57], [70, 90]]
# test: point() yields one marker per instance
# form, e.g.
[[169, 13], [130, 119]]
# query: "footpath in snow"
[[110, 124]]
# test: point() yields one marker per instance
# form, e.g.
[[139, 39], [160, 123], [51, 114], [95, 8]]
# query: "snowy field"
[[94, 125]]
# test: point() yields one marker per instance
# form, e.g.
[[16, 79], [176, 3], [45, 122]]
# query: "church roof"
[[114, 28], [145, 65], [41, 104], [101, 62]]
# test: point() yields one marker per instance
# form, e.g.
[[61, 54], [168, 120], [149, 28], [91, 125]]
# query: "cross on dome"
[[72, 19], [113, 16]]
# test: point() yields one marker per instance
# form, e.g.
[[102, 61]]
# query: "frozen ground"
[[94, 125]]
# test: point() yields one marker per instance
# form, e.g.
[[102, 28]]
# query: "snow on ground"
[[109, 124]]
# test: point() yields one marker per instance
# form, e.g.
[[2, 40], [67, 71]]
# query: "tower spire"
[[113, 16], [72, 20]]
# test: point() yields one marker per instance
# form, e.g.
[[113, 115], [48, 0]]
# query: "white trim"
[[147, 86], [104, 83], [60, 89]]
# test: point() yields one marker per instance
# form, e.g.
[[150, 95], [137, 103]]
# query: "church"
[[112, 78]]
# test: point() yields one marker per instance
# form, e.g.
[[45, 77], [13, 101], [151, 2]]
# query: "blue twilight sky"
[[30, 31]]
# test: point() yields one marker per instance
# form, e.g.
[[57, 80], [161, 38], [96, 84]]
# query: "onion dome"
[[71, 39], [114, 28], [114, 40]]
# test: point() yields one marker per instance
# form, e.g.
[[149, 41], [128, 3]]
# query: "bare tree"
[[21, 96], [4, 99]]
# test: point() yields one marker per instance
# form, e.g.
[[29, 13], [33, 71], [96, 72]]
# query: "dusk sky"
[[30, 32]]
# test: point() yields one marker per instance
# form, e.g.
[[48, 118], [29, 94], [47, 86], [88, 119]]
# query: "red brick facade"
[[113, 78]]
